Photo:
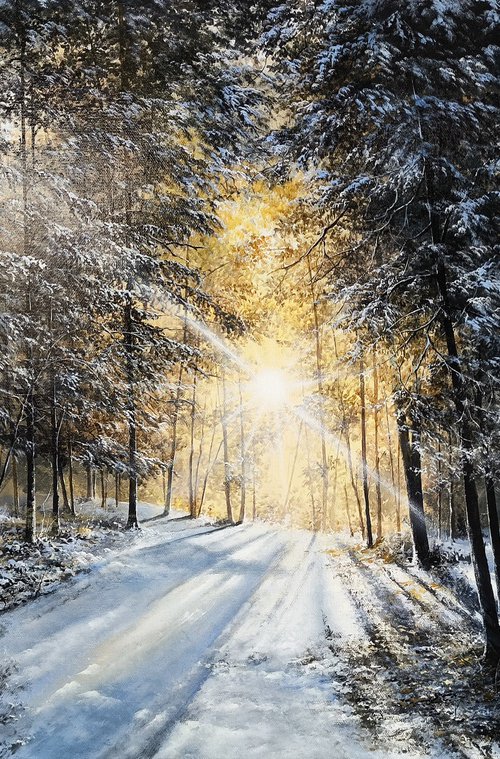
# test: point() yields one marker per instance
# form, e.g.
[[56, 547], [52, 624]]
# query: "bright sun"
[[270, 389]]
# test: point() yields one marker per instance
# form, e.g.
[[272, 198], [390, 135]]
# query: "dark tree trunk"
[[354, 484], [117, 488], [131, 412], [30, 531], [104, 488], [491, 501], [64, 492], [88, 471], [70, 478], [480, 562], [55, 462], [15, 486], [369, 535], [412, 465]]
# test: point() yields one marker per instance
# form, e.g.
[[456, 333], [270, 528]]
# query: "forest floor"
[[188, 640]]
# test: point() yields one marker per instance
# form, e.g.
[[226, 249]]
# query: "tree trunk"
[[117, 489], [348, 513], [378, 488], [54, 460], [173, 442], [104, 488], [30, 531], [128, 338], [353, 480], [15, 486], [64, 492], [369, 535], [70, 478], [88, 471], [395, 483], [480, 562], [243, 486], [192, 494], [227, 468], [491, 502], [412, 466], [210, 463], [319, 370]]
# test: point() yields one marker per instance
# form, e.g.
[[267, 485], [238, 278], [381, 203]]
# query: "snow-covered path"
[[181, 645], [193, 641]]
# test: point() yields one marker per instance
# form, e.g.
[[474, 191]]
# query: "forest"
[[250, 273]]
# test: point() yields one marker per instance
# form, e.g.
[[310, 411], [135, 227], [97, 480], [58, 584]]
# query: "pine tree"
[[395, 109]]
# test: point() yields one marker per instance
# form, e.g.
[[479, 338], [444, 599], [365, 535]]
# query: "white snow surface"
[[188, 643]]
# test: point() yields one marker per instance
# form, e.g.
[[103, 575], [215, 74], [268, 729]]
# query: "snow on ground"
[[200, 641]]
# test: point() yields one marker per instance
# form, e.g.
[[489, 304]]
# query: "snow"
[[199, 640]]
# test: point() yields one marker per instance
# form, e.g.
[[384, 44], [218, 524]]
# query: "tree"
[[395, 108]]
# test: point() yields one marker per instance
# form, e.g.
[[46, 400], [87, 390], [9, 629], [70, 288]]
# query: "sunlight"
[[270, 389]]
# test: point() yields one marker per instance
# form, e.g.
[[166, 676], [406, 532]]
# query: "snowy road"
[[191, 642]]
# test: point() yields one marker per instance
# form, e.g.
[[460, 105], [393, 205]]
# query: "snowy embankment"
[[200, 641], [27, 571]]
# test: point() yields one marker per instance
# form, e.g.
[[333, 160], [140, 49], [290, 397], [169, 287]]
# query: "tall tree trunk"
[[354, 484], [410, 452], [128, 339], [491, 501], [439, 494], [366, 495], [378, 488], [334, 488], [480, 562], [395, 483], [88, 472], [319, 370], [199, 457], [30, 531], [192, 494], [70, 479], [227, 468], [54, 459], [30, 449], [345, 429], [104, 488], [348, 513], [117, 488], [173, 441], [210, 463], [243, 490], [64, 492], [15, 486]]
